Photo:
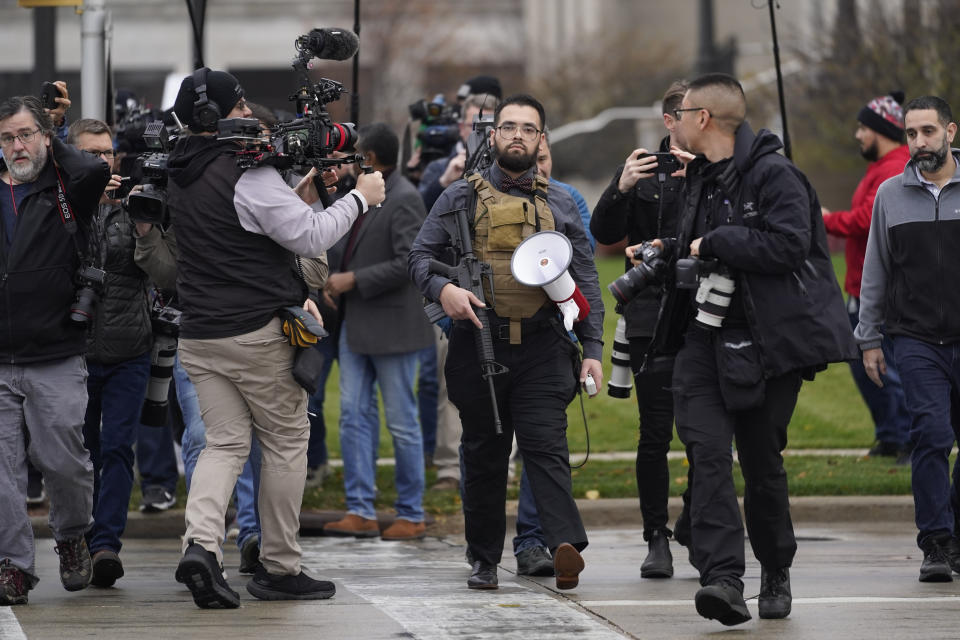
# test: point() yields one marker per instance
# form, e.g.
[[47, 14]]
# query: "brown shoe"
[[567, 565], [404, 530], [353, 525]]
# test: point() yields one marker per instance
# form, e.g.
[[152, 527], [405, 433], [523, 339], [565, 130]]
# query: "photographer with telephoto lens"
[[766, 314], [239, 229]]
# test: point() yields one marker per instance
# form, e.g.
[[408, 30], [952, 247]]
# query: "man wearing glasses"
[[512, 202], [118, 361], [738, 370], [46, 186]]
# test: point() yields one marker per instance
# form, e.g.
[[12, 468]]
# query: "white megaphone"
[[542, 261]]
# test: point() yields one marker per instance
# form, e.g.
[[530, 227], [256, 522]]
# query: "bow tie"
[[523, 184]]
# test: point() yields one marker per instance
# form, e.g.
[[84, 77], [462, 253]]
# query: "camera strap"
[[66, 214]]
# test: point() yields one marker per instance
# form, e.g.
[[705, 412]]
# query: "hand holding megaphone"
[[542, 261]]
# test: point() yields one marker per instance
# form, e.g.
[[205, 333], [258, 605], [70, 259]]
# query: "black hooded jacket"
[[38, 273], [776, 244]]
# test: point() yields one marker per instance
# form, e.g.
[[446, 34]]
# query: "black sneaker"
[[936, 565], [14, 584], [107, 568], [659, 560], [722, 601], [75, 570], [775, 598], [250, 555], [199, 570], [953, 554], [883, 449], [156, 499], [535, 561], [36, 496], [268, 586]]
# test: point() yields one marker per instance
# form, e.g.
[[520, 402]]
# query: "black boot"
[[936, 564], [722, 600], [775, 598], [659, 560]]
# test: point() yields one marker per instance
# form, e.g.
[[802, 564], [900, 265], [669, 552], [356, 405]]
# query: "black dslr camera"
[[89, 286], [641, 276], [439, 131], [150, 204]]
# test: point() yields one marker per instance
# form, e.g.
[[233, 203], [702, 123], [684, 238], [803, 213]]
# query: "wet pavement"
[[853, 580]]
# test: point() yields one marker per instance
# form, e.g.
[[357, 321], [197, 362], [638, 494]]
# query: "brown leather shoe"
[[353, 525], [404, 530], [567, 565]]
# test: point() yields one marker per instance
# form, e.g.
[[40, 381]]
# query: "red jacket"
[[854, 225]]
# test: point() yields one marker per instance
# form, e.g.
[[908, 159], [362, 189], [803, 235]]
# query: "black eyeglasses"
[[106, 154], [24, 138], [677, 112]]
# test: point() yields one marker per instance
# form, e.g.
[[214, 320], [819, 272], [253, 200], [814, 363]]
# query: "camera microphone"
[[331, 43]]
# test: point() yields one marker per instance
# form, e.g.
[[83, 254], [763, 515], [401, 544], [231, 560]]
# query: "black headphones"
[[206, 112]]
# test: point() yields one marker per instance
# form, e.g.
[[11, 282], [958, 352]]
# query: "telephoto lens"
[[713, 298], [156, 403], [621, 378]]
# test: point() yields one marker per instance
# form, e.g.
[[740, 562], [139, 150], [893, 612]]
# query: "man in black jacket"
[[642, 203], [46, 187], [238, 234], [773, 314]]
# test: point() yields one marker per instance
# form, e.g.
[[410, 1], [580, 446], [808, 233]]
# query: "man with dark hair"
[[880, 134], [511, 201], [382, 329], [47, 188], [118, 361], [906, 293], [642, 203], [753, 244], [238, 234]]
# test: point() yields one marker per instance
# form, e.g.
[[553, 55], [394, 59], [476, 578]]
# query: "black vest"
[[230, 281]]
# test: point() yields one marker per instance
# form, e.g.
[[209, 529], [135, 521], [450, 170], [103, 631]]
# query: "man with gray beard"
[[913, 251], [45, 187]]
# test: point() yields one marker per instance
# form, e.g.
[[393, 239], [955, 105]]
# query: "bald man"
[[751, 243]]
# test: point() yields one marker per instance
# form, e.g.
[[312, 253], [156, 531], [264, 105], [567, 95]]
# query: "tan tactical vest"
[[501, 223]]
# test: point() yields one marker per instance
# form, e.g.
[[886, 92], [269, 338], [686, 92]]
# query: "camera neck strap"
[[66, 213]]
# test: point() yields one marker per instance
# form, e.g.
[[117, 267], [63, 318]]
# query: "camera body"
[[150, 204], [667, 163], [48, 95], [715, 287], [649, 271], [89, 285], [439, 131]]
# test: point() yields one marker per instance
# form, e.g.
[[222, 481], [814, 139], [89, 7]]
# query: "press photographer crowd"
[[197, 271]]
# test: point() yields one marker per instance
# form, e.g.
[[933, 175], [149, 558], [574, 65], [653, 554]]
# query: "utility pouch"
[[506, 224], [739, 369], [307, 366]]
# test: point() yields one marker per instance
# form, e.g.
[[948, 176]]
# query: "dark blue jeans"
[[116, 394], [887, 406], [529, 533], [317, 446], [427, 389], [931, 382]]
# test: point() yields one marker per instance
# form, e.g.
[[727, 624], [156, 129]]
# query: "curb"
[[610, 512]]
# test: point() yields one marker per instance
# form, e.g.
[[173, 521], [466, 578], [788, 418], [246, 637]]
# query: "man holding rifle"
[[511, 364]]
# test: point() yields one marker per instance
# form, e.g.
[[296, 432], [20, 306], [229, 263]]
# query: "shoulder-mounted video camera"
[[310, 139], [150, 204]]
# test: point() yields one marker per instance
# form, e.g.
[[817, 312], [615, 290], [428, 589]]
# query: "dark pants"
[[317, 447], [708, 429], [116, 393], [655, 402], [156, 457], [931, 383], [887, 404], [532, 400], [427, 390]]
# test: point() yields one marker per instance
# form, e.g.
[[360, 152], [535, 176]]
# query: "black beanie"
[[481, 85], [884, 115], [222, 88]]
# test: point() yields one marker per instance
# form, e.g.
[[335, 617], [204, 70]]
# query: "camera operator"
[[526, 337], [118, 361], [238, 231], [771, 314], [441, 173], [47, 186], [642, 203]]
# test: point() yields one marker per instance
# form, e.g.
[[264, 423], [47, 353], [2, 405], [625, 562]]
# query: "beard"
[[871, 153], [518, 162], [31, 171], [933, 160]]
